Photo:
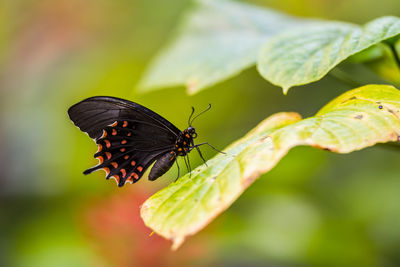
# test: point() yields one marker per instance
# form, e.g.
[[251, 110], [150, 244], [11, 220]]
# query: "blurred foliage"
[[314, 209]]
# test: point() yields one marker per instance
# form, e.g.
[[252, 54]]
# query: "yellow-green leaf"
[[306, 54], [357, 119]]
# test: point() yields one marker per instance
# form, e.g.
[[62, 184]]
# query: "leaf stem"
[[344, 77], [396, 56]]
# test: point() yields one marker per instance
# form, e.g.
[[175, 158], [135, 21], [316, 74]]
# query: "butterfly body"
[[130, 138]]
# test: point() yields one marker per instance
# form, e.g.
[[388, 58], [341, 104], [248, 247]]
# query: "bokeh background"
[[315, 208]]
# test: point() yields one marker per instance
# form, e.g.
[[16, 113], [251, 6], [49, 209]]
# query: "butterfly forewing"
[[129, 136], [92, 115]]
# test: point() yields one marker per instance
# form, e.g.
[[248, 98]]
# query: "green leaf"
[[306, 54], [218, 39], [357, 119]]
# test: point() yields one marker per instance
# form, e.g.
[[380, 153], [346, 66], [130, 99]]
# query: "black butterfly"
[[131, 137]]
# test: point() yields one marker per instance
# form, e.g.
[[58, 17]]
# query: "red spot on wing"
[[101, 159], [126, 157], [115, 165], [129, 134], [108, 155], [133, 163], [140, 168], [104, 134], [125, 124], [114, 124], [123, 142], [108, 144], [123, 172], [122, 149]]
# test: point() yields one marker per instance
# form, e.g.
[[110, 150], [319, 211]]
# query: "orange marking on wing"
[[130, 180], [116, 177], [114, 124], [99, 148], [108, 144], [114, 132], [129, 134], [115, 165], [140, 168], [126, 157], [104, 134], [125, 124], [187, 135], [123, 173], [133, 163], [107, 170], [135, 176], [122, 149], [123, 142], [101, 159], [108, 154]]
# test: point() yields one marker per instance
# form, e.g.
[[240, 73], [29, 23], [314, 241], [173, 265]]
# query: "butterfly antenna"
[[191, 114], [207, 109]]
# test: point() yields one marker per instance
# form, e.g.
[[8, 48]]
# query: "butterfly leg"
[[201, 155], [177, 165], [187, 166], [190, 167], [205, 143]]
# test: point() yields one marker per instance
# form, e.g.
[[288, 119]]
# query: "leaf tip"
[[285, 89], [192, 86], [177, 242]]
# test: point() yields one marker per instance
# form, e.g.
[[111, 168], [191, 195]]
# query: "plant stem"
[[396, 56], [344, 77]]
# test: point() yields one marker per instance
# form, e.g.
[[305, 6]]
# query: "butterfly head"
[[192, 132]]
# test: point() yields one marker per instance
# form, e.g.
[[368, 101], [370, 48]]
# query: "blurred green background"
[[314, 209]]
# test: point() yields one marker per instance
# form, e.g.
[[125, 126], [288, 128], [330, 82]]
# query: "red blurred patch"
[[117, 231]]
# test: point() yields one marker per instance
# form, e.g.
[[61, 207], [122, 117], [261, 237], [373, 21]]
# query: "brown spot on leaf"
[[358, 117], [349, 99], [325, 148], [263, 139]]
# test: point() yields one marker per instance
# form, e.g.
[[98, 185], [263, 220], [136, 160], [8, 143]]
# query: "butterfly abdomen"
[[162, 165]]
